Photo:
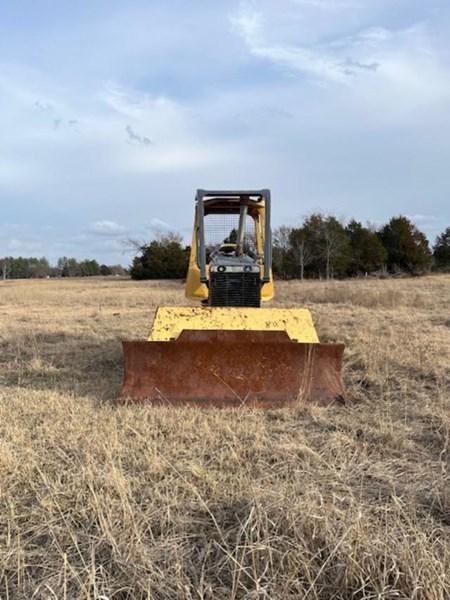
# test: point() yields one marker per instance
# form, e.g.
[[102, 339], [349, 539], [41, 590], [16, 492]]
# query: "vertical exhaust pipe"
[[241, 230]]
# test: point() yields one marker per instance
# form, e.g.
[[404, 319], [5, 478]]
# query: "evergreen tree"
[[441, 250], [105, 270], [367, 251], [89, 268], [407, 247], [164, 258]]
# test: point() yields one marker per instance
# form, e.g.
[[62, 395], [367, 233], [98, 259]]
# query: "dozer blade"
[[264, 369]]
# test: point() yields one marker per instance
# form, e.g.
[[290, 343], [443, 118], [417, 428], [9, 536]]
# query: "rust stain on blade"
[[262, 369]]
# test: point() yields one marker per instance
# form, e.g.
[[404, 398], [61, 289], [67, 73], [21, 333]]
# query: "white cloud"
[[24, 245], [248, 23], [177, 137], [382, 61], [174, 157], [317, 60], [106, 228], [327, 4], [422, 218], [428, 223], [138, 105], [158, 224]]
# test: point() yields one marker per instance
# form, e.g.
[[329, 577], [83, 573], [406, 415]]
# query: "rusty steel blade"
[[264, 369]]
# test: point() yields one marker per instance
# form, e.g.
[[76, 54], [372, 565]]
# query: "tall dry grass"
[[105, 502]]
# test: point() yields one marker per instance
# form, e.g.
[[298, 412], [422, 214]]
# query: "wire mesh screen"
[[223, 229]]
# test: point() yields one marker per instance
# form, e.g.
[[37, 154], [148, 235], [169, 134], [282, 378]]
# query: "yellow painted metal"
[[170, 321], [196, 290], [267, 290]]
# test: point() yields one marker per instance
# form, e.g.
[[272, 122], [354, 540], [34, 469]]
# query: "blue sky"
[[113, 113]]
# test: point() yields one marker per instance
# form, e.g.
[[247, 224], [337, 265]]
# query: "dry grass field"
[[349, 502]]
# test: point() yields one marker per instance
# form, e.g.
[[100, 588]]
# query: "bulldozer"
[[229, 351]]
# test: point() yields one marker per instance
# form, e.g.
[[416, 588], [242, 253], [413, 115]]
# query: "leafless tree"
[[281, 247], [303, 253], [281, 237], [335, 244], [4, 266]]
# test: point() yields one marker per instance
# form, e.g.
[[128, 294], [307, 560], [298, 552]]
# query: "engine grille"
[[235, 289]]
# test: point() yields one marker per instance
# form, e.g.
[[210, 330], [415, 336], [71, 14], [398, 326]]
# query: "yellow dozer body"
[[229, 351]]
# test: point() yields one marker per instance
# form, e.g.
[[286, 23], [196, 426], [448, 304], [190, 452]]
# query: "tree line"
[[321, 247], [324, 247], [31, 268]]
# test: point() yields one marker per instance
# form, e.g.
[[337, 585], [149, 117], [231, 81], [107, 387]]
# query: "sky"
[[113, 113]]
